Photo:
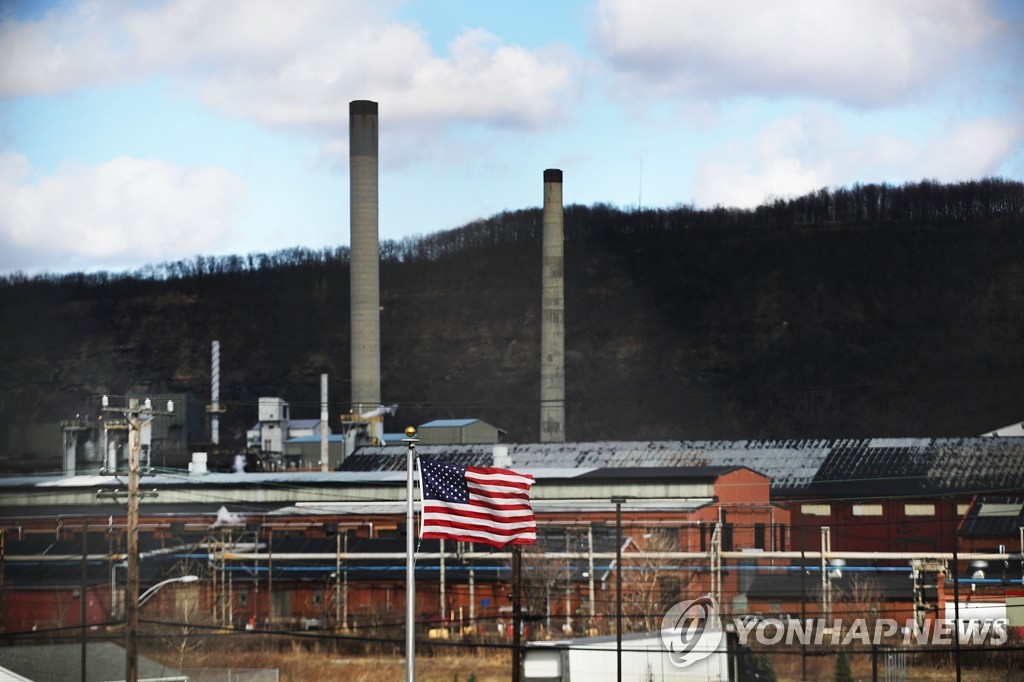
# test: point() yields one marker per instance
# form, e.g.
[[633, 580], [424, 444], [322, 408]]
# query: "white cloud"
[[971, 149], [293, 65], [801, 153], [122, 212], [861, 52]]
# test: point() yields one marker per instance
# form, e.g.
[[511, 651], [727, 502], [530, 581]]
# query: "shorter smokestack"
[[501, 458], [324, 428], [215, 392]]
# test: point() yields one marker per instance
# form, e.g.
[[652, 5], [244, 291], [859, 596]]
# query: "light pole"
[[148, 594], [410, 569], [618, 586]]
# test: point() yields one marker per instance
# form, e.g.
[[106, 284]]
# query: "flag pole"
[[517, 611], [410, 570]]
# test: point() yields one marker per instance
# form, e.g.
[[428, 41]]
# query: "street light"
[[410, 571], [148, 594]]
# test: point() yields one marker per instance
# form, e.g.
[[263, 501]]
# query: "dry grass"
[[300, 661], [299, 664]]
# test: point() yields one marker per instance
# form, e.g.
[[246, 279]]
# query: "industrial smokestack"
[[365, 265], [215, 392], [552, 325], [324, 428]]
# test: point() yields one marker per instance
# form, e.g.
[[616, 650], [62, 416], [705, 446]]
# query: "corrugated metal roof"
[[786, 464], [994, 516], [859, 466], [866, 466]]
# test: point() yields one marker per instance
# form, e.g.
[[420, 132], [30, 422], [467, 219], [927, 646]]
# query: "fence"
[[231, 675]]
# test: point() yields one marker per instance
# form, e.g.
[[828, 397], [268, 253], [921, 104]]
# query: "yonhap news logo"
[[692, 630]]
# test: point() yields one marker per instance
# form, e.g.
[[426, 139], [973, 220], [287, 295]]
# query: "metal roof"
[[331, 438], [448, 423], [994, 516], [865, 466]]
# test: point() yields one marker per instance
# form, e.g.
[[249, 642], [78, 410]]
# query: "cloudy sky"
[[150, 131]]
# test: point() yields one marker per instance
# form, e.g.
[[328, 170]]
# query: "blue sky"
[[134, 133]]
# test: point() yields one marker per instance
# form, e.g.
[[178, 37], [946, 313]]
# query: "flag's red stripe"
[[497, 503], [497, 471], [478, 505], [497, 495], [476, 502], [519, 529], [526, 517], [514, 481], [473, 537]]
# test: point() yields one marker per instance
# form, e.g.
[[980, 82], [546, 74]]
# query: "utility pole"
[[136, 418], [132, 598]]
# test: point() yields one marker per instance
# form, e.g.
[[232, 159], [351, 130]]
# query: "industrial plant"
[[302, 531]]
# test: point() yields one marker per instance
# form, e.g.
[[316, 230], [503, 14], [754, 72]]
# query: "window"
[[919, 509], [669, 587], [816, 509], [243, 597], [318, 597], [662, 539], [867, 510]]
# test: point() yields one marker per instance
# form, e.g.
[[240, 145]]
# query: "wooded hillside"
[[866, 311]]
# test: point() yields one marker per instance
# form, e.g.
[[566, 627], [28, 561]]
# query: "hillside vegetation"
[[868, 311]]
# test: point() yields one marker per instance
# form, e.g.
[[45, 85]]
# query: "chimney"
[[552, 325], [215, 392], [365, 250], [325, 429], [500, 457]]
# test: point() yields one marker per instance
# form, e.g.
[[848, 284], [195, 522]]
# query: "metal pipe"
[[337, 582], [344, 615], [472, 597], [880, 556], [590, 571], [442, 605], [410, 569]]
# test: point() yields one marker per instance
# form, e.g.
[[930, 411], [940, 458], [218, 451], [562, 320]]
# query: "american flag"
[[476, 504]]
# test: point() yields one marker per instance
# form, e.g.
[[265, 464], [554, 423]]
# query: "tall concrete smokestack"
[[365, 282], [552, 325]]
